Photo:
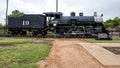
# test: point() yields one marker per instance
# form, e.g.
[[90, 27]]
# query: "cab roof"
[[53, 14]]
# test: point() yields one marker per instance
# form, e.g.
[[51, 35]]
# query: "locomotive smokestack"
[[81, 14], [95, 13], [72, 13]]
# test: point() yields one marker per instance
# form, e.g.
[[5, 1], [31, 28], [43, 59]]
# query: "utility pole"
[[56, 5], [55, 23], [6, 19]]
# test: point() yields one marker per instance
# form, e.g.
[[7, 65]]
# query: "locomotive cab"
[[53, 17]]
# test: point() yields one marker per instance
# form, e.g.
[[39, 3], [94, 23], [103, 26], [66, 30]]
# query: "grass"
[[15, 41], [102, 41], [23, 56], [1, 31], [47, 39]]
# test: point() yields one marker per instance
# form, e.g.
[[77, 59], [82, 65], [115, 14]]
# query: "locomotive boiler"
[[75, 25]]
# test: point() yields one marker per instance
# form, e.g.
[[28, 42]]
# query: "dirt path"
[[68, 54]]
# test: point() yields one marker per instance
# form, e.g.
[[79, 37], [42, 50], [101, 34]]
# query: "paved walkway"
[[103, 55], [69, 54]]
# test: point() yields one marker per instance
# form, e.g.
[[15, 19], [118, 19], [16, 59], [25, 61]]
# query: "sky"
[[109, 8]]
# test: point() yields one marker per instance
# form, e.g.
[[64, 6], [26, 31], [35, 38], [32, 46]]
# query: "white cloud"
[[110, 8]]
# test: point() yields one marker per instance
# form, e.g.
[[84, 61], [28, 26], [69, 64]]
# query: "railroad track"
[[47, 36]]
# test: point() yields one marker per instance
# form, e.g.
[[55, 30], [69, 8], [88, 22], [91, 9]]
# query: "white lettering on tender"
[[25, 22]]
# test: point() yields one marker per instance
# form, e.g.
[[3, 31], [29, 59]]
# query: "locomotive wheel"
[[23, 33], [44, 33], [14, 33], [61, 32], [34, 33]]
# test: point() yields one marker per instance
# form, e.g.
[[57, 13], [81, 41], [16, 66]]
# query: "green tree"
[[116, 21], [16, 13], [1, 26], [112, 23], [109, 24]]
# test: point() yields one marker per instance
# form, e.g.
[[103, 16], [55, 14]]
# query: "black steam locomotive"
[[56, 22]]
